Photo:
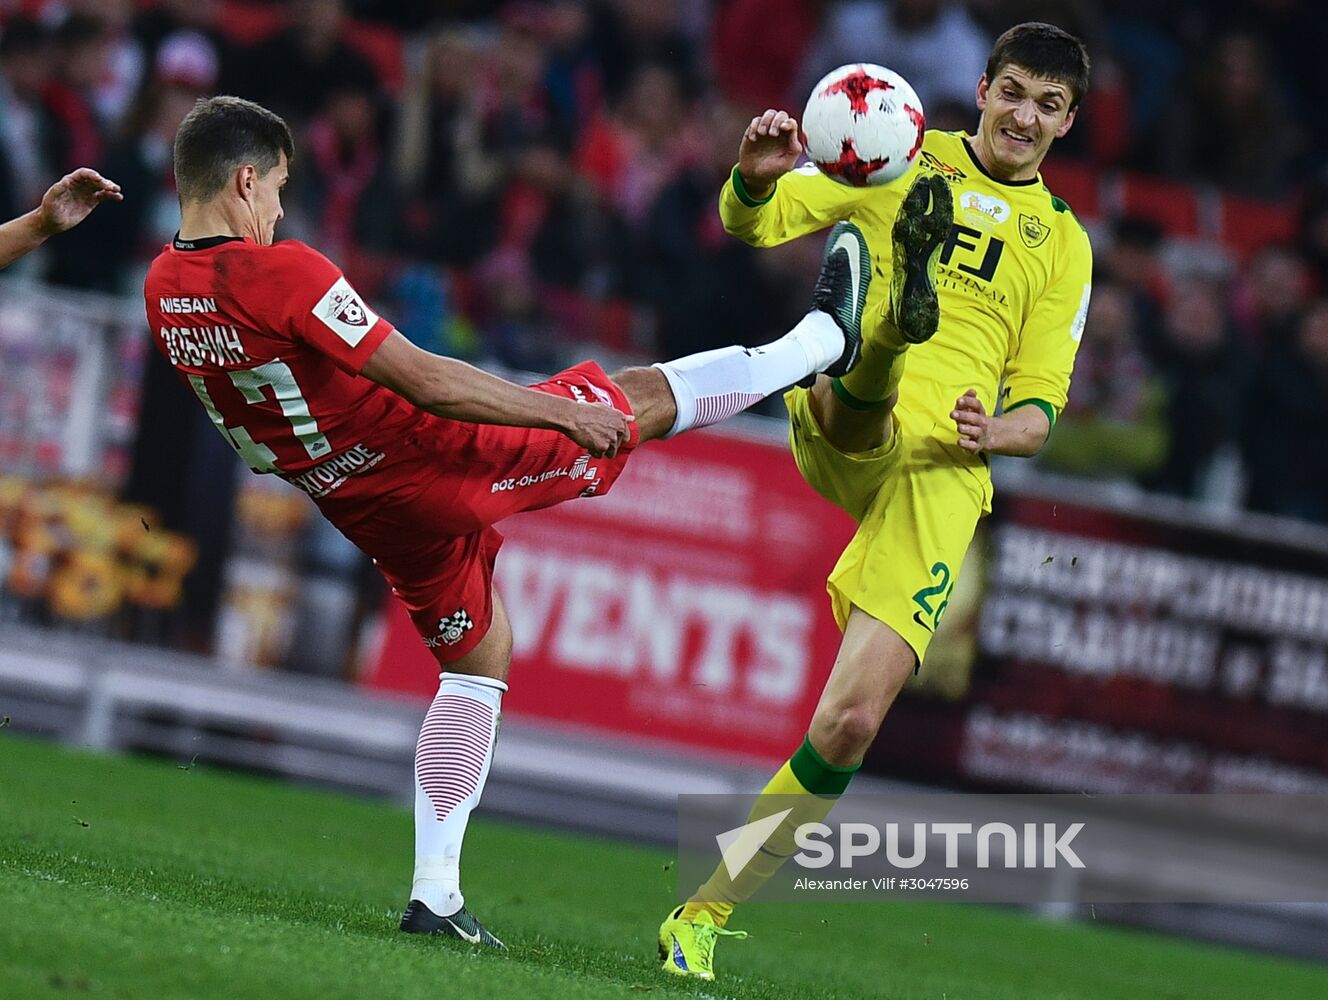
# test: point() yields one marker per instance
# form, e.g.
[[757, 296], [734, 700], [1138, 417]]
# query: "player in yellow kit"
[[902, 441]]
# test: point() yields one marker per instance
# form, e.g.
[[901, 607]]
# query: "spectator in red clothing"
[[107, 252], [1271, 297], [449, 187], [762, 76], [1230, 124], [934, 44], [703, 284], [293, 71], [153, 24], [124, 64], [81, 49], [343, 190], [628, 34], [636, 150]]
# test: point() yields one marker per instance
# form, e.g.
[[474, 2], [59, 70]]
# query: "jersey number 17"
[[251, 382]]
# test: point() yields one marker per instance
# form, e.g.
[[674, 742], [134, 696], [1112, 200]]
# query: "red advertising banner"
[[688, 605]]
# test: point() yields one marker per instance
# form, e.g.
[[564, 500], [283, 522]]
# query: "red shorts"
[[426, 514]]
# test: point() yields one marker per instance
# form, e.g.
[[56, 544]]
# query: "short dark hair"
[[222, 134], [1046, 51]]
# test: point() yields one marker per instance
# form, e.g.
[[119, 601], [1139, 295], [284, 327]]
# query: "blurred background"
[[528, 184]]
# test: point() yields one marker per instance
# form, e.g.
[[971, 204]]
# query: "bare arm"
[[1020, 432], [67, 203], [452, 388]]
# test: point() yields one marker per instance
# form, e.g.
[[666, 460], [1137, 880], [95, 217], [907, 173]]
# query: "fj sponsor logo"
[[343, 312]]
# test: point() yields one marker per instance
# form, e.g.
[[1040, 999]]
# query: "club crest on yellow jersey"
[[1032, 230]]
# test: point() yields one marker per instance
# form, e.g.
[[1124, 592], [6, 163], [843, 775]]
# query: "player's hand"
[[971, 420], [599, 429], [769, 149], [70, 199]]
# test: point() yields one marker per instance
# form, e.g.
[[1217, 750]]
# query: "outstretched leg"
[[854, 410], [705, 388]]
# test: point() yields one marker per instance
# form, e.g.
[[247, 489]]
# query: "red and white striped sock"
[[714, 385], [452, 761]]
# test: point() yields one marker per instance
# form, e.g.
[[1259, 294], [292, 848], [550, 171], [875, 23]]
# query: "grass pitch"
[[123, 877]]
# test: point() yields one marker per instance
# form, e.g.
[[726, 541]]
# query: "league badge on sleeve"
[[343, 312]]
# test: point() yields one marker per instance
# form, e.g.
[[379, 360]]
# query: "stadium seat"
[[1076, 183], [247, 23], [1249, 225], [1172, 205]]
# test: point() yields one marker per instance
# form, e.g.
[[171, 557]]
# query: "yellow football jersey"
[[1013, 281]]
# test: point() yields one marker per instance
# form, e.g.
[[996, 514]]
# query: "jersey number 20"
[[251, 383]]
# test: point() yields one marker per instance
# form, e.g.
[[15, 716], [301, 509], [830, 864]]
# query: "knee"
[[651, 400], [842, 733]]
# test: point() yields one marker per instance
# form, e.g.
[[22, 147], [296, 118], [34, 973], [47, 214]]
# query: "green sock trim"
[[817, 776], [852, 401], [740, 189]]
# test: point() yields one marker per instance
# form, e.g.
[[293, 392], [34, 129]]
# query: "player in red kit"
[[414, 456]]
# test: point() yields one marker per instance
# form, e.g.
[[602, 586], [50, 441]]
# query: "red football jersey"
[[271, 339]]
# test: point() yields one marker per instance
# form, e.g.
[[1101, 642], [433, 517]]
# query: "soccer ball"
[[863, 125]]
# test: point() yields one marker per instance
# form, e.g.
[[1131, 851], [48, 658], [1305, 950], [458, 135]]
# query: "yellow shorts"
[[916, 506]]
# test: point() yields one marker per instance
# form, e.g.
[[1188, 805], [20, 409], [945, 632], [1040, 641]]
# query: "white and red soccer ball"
[[863, 125]]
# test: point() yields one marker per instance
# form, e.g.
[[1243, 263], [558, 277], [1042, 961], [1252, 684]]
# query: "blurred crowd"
[[511, 181]]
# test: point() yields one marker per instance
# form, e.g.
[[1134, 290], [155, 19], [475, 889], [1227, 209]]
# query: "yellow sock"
[[807, 784], [878, 372], [876, 375]]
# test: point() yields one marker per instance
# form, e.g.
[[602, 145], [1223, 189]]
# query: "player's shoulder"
[[292, 253], [1062, 215], [944, 153]]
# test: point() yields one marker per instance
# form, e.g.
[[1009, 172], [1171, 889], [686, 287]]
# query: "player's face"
[[265, 201], [1022, 115]]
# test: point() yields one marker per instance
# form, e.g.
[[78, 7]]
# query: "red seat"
[[1172, 205], [1076, 183], [248, 23], [1249, 224]]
